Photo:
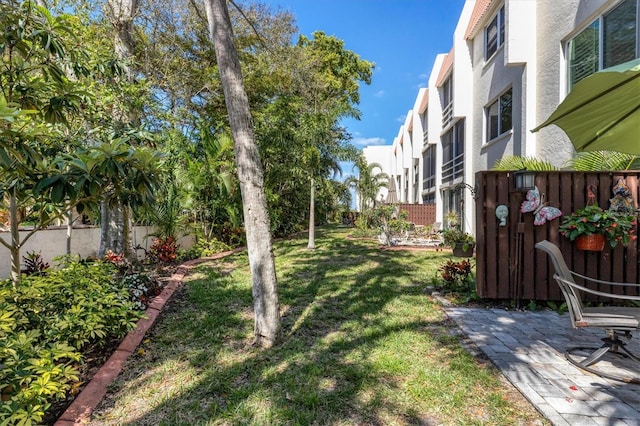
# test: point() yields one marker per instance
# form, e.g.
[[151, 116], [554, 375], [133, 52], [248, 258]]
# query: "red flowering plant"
[[164, 249], [618, 228]]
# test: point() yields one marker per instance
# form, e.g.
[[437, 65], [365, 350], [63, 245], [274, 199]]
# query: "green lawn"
[[363, 343]]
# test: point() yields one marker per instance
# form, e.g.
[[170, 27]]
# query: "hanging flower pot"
[[593, 242]]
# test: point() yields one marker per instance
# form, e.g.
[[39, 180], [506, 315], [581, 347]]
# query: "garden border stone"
[[80, 410]]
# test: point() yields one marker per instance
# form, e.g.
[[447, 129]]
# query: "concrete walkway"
[[528, 348]]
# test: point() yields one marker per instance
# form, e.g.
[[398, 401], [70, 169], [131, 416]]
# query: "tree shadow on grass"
[[340, 359]]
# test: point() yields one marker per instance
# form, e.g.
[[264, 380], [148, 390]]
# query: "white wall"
[[557, 22], [52, 242]]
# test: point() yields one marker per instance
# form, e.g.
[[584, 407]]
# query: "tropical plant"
[[514, 162], [46, 325], [164, 250], [38, 100], [618, 228], [367, 183], [458, 275], [389, 220], [604, 160], [34, 264], [454, 236]]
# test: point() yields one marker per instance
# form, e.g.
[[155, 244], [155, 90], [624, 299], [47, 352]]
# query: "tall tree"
[[36, 100], [250, 174], [115, 221]]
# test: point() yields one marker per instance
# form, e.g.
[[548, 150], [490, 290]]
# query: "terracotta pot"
[[459, 252], [593, 242]]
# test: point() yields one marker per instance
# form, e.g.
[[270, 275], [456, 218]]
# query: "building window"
[[446, 94], [452, 202], [494, 34], [424, 119], [453, 152], [593, 49], [429, 168], [499, 116]]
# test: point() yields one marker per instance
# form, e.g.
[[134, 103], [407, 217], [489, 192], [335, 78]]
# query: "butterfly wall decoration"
[[542, 212]]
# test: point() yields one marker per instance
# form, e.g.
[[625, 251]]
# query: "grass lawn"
[[362, 344]]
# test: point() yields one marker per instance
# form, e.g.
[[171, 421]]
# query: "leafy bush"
[[141, 289], [164, 250], [34, 264], [45, 326], [204, 248], [453, 236], [458, 276], [390, 221]]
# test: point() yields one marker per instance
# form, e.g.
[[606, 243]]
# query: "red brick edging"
[[83, 405]]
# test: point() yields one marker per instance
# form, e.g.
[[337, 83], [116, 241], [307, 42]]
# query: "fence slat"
[[497, 247]]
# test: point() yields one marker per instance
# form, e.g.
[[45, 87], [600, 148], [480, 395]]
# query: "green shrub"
[[458, 276], [164, 250], [45, 326]]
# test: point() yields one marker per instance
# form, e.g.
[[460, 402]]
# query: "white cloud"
[[401, 118], [379, 94], [362, 142]]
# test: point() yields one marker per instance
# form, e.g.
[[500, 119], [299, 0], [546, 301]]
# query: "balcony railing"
[[453, 169], [425, 137], [428, 182], [447, 115]]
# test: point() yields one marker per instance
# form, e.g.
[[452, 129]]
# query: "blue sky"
[[402, 37]]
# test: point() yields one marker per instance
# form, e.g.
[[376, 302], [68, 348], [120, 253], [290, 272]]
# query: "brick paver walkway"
[[528, 348]]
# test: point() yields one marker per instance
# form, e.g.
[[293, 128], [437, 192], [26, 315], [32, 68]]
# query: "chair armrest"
[[594, 280], [600, 293]]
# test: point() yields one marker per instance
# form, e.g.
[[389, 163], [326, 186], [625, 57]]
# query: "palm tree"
[[368, 182]]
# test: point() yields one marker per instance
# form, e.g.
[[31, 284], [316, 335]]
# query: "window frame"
[[600, 23], [500, 28], [499, 118], [453, 141], [429, 167]]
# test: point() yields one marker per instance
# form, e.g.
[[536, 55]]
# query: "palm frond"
[[514, 162], [604, 160]]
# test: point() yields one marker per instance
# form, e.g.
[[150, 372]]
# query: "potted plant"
[[462, 243], [592, 224]]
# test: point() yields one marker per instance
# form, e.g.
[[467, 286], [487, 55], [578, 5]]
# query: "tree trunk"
[[115, 225], [15, 241], [121, 14], [250, 174], [312, 216], [69, 230], [114, 229]]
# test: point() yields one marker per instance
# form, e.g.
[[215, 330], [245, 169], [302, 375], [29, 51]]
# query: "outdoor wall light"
[[524, 180]]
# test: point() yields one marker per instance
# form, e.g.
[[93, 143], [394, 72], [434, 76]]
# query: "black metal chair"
[[617, 321]]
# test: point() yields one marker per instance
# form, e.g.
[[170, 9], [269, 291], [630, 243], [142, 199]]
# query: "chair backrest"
[[436, 227], [574, 303]]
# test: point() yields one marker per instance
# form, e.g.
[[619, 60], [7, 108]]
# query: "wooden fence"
[[420, 214], [509, 266]]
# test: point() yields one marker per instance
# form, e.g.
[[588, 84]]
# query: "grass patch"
[[362, 343]]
